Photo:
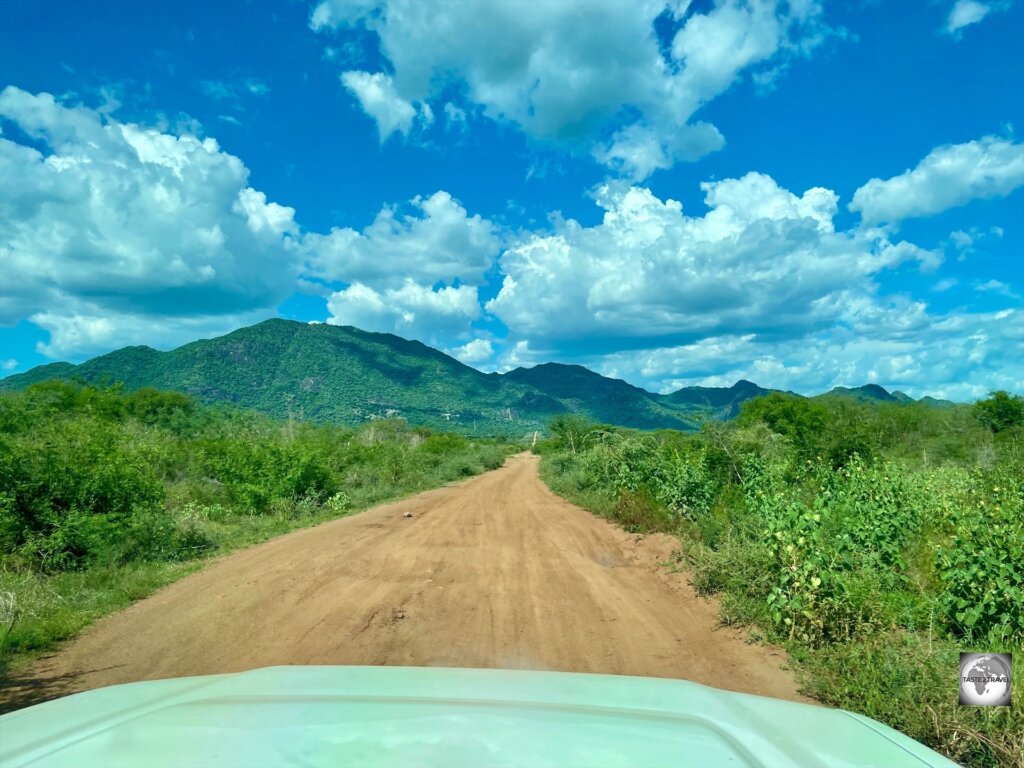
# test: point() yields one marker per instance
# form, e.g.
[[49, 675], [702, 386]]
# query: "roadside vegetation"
[[107, 496], [875, 542]]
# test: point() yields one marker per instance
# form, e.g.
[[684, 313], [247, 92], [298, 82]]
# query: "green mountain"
[[936, 403], [345, 375], [342, 374], [603, 399], [721, 402], [872, 393], [869, 393], [37, 374]]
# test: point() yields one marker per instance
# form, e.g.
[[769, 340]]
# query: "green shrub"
[[338, 502], [637, 512], [1000, 411], [685, 486], [638, 466], [981, 568], [870, 515], [802, 584], [73, 491], [105, 496], [571, 431], [152, 406], [857, 548], [444, 445], [798, 419]]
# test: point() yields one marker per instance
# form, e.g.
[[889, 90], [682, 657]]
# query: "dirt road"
[[494, 572]]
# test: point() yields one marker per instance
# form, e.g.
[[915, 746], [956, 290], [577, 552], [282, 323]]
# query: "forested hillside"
[[580, 390], [342, 375]]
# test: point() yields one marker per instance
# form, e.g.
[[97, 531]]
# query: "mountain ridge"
[[343, 374]]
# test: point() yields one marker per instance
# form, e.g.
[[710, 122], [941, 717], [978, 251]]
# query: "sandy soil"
[[493, 572]]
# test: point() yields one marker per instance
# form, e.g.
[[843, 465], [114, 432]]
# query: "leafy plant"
[[981, 568], [847, 556]]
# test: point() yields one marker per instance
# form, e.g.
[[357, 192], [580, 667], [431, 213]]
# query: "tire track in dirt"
[[496, 571]]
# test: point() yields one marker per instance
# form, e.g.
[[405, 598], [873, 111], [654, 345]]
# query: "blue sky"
[[803, 194]]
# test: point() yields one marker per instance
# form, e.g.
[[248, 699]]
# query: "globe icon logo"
[[985, 679]]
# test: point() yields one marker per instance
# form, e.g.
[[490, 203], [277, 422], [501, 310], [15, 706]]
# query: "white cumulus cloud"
[[75, 331], [114, 233], [411, 310], [414, 274], [964, 13], [588, 73], [443, 242], [104, 223], [762, 259], [948, 177], [377, 96], [763, 286], [474, 352]]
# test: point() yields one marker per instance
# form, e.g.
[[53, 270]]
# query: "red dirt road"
[[494, 572]]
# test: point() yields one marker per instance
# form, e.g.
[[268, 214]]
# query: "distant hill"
[[37, 374], [603, 399], [936, 403], [723, 402], [869, 393], [872, 393], [342, 374]]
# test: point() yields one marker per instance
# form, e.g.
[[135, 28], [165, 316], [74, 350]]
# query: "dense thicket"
[[875, 541], [97, 484]]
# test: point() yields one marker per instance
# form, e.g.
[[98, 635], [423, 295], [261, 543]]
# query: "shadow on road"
[[24, 687]]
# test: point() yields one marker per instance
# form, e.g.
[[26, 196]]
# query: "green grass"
[[37, 611], [907, 680]]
